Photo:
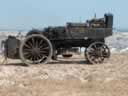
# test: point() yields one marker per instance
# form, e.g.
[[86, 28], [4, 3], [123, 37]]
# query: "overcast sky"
[[27, 14]]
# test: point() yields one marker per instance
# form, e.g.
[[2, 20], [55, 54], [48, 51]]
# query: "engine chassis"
[[60, 39]]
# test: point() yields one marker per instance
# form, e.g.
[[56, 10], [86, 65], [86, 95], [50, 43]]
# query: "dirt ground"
[[66, 77]]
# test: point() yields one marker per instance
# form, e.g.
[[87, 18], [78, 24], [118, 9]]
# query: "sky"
[[27, 14]]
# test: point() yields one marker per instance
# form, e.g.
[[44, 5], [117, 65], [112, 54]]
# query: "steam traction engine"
[[39, 46]]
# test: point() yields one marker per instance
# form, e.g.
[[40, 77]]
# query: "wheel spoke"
[[105, 55], [36, 44], [33, 42], [28, 56], [41, 41], [35, 58], [92, 58], [38, 56], [92, 49], [100, 59], [26, 45], [42, 45], [42, 51], [44, 57], [95, 47], [46, 48], [27, 50], [26, 53], [30, 44], [31, 58]]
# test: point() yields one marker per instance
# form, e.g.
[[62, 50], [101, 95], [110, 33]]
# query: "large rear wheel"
[[35, 49]]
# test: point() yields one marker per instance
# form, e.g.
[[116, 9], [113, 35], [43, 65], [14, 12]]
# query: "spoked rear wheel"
[[97, 52], [35, 49]]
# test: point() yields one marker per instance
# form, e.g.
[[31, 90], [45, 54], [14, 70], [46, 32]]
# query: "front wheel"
[[97, 52], [35, 49]]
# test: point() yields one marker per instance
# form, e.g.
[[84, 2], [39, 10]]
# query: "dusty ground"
[[66, 77]]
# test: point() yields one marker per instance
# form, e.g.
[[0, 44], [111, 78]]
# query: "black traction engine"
[[39, 46]]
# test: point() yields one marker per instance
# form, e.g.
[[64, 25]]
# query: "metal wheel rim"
[[104, 53], [30, 43]]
